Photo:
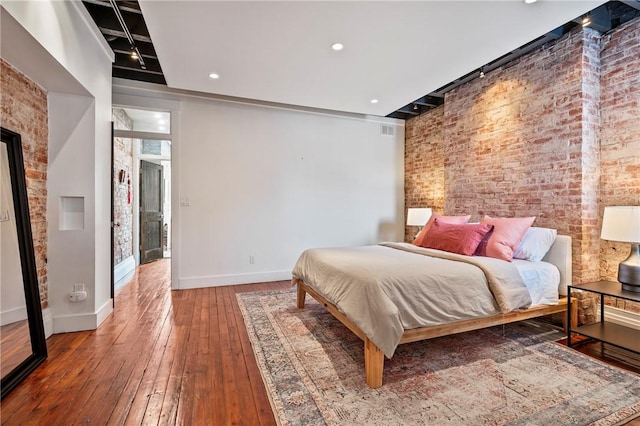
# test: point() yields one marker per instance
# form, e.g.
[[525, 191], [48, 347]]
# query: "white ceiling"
[[395, 51]]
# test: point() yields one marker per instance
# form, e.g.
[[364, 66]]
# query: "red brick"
[[24, 110]]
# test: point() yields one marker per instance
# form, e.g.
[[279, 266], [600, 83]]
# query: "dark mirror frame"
[[28, 263]]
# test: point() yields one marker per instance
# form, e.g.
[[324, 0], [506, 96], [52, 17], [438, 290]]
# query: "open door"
[[151, 217]]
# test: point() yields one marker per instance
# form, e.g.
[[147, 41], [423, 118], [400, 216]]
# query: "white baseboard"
[[13, 315], [47, 320], [82, 322], [622, 317], [233, 279], [124, 268], [104, 311]]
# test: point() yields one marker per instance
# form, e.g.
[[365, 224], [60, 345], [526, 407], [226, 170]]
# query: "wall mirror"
[[22, 342]]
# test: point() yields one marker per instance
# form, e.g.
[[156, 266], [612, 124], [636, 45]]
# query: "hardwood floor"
[[163, 357]]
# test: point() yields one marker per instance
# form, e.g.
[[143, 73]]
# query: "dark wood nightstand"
[[606, 331]]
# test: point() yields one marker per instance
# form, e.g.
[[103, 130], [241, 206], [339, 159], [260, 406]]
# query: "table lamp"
[[622, 223], [418, 217]]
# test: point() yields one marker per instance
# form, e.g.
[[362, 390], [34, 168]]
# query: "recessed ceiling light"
[[214, 76], [160, 121], [157, 115], [337, 46], [530, 1], [374, 101]]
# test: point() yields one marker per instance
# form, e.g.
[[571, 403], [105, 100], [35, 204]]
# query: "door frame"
[[122, 100], [135, 186], [112, 220]]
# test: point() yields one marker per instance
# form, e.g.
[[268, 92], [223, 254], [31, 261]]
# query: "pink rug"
[[313, 369]]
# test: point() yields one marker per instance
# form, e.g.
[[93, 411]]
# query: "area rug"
[[313, 370]]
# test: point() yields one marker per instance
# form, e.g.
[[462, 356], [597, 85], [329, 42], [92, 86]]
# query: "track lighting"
[[586, 20], [415, 107], [482, 72], [135, 53]]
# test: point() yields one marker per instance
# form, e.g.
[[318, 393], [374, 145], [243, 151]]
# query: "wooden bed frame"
[[374, 357]]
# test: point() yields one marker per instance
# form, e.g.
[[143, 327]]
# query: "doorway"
[[142, 190], [155, 200]]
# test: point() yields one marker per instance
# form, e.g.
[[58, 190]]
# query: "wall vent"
[[387, 129]]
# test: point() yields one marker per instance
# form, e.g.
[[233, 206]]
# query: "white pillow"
[[535, 244]]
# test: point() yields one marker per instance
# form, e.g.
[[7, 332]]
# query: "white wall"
[[270, 182], [57, 45]]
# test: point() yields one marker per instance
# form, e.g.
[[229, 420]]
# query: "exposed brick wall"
[[122, 207], [424, 164], [24, 111], [552, 134], [589, 251], [512, 144], [619, 136]]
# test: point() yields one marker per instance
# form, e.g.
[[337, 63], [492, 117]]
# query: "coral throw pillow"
[[441, 219], [455, 238], [506, 235]]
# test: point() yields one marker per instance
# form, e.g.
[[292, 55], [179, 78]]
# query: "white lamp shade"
[[418, 217], [621, 223]]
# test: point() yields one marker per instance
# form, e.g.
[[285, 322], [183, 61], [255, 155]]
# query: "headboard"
[[560, 255]]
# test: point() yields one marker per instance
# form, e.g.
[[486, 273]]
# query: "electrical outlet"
[[78, 294], [252, 260]]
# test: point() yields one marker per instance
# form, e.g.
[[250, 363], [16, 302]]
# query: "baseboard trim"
[[47, 320], [124, 268], [233, 279], [622, 317], [82, 322], [104, 311], [13, 315]]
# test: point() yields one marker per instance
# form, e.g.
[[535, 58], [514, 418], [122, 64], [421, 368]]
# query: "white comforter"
[[388, 288]]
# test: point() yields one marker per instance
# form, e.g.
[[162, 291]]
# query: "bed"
[[379, 292]]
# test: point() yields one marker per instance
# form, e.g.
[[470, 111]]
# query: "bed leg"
[[571, 318], [301, 294], [373, 364]]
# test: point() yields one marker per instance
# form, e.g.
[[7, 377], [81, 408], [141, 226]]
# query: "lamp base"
[[629, 270]]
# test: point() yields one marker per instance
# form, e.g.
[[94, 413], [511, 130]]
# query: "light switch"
[[4, 216]]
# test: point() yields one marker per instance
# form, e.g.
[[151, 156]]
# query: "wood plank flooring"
[[164, 357]]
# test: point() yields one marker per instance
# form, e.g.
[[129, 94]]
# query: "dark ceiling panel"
[[125, 66]]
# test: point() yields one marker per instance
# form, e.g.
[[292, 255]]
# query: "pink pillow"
[[507, 233], [441, 219], [455, 238]]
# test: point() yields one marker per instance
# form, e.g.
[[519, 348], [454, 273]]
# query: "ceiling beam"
[[105, 3], [122, 34], [147, 71]]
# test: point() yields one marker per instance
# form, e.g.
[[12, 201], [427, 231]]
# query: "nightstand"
[[605, 331]]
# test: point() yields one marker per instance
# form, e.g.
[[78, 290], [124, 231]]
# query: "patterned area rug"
[[313, 369]]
